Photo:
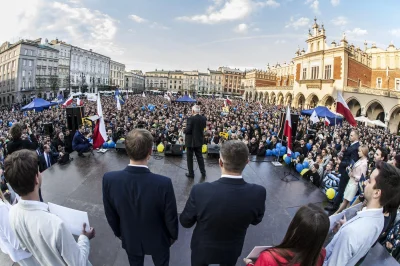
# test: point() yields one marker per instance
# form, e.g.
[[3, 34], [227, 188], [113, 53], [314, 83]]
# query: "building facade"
[[117, 71], [156, 80], [191, 82], [134, 81], [64, 59], [175, 80], [231, 80], [216, 82], [368, 78], [255, 78], [89, 71]]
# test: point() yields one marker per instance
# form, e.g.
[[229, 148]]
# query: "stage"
[[78, 185]]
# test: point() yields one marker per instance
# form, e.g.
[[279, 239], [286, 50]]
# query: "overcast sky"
[[198, 34]]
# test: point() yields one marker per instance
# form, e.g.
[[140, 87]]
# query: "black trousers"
[[344, 179], [161, 259], [199, 157]]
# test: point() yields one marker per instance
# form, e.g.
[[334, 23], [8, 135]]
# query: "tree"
[[54, 83]]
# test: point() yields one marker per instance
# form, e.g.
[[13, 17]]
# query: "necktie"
[[48, 161]]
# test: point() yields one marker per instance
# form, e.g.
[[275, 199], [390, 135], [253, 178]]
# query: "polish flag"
[[327, 122], [343, 108], [68, 101], [227, 102], [288, 132], [79, 102], [99, 133]]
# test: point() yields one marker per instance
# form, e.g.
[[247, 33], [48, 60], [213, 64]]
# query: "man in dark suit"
[[140, 206], [350, 156], [194, 141], [80, 143], [46, 159], [223, 210]]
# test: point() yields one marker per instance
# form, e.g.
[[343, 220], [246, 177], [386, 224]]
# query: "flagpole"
[[334, 131]]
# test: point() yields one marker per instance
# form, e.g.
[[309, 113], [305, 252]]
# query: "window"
[[15, 52], [379, 83], [397, 84], [314, 72], [29, 84], [25, 52], [24, 62], [304, 73], [23, 73], [30, 63], [328, 72], [23, 84], [30, 52]]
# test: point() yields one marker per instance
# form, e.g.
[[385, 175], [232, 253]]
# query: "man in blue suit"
[[80, 143], [140, 206]]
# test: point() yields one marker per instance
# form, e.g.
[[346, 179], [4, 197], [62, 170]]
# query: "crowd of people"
[[361, 165]]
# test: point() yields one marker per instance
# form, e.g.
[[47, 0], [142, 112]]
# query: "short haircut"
[[388, 181], [138, 144], [234, 154], [196, 109], [20, 170], [384, 153], [16, 131], [316, 166]]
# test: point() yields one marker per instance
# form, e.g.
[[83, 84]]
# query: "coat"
[[195, 131]]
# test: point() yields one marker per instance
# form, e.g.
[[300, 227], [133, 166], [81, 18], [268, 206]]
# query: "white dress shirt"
[[9, 243], [232, 176], [138, 165], [46, 236]]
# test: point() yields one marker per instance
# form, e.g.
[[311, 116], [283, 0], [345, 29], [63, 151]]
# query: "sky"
[[198, 34]]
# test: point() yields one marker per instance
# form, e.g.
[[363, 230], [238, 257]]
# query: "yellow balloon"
[[330, 193], [160, 147], [303, 171], [204, 148], [284, 156], [122, 139]]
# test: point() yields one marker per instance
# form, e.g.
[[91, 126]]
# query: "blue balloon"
[[234, 109], [268, 153], [297, 154], [243, 129], [305, 165], [278, 145], [283, 150], [111, 145], [299, 167], [9, 124], [143, 108], [288, 160], [105, 145], [268, 141], [180, 115], [294, 155], [151, 108], [274, 152], [308, 145]]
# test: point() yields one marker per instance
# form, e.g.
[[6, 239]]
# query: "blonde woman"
[[359, 169], [9, 243]]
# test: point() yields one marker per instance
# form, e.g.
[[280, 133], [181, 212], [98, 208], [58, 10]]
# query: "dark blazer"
[[141, 209], [222, 211], [349, 155], [42, 161], [20, 144], [195, 131]]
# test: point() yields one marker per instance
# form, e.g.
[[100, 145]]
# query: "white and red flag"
[[227, 101], [327, 122], [99, 133], [68, 101], [287, 132], [79, 102], [343, 108]]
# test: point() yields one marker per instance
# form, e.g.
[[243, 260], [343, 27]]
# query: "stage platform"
[[78, 185]]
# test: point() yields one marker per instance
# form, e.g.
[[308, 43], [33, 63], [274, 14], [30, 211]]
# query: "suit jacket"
[[350, 155], [141, 209], [42, 161], [222, 211], [20, 144], [78, 139], [195, 131]]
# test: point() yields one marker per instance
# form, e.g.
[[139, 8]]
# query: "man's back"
[[45, 236], [223, 210], [141, 209], [195, 131]]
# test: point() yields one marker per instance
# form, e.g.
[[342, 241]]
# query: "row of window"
[[379, 83], [315, 72]]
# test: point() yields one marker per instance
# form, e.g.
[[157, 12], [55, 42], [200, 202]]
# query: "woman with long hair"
[[302, 244], [358, 170], [9, 243]]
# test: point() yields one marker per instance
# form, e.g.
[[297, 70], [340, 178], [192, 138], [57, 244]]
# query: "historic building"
[[89, 71], [117, 71], [134, 81], [156, 80], [232, 80], [175, 80], [368, 78], [216, 81], [258, 79], [64, 59]]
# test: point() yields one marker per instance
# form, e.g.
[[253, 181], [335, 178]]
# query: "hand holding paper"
[[73, 219]]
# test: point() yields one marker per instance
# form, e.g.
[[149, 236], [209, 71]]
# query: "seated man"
[[80, 143]]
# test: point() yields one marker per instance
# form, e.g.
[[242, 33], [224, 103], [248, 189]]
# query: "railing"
[[275, 88], [373, 91]]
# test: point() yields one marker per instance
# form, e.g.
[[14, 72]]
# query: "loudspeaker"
[[48, 129], [173, 149], [213, 149], [120, 145], [295, 121], [74, 117]]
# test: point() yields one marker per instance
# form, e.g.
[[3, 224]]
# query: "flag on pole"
[[327, 122], [227, 101], [343, 109], [68, 101], [118, 105], [99, 134], [314, 117], [143, 95], [287, 132], [167, 97], [79, 102]]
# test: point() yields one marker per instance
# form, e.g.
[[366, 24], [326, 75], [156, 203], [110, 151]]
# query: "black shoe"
[[330, 208], [203, 176], [189, 175], [81, 155]]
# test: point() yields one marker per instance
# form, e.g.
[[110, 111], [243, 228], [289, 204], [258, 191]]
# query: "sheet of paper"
[[255, 253], [352, 211], [333, 219], [73, 219]]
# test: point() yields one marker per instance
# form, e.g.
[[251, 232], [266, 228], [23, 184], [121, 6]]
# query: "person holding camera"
[[17, 142]]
